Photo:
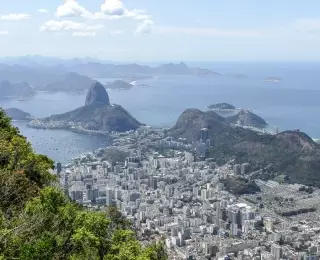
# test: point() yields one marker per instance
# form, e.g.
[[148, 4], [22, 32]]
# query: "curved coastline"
[[37, 124]]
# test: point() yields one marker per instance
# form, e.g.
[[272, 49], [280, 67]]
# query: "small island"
[[272, 79], [17, 114], [119, 84], [222, 107]]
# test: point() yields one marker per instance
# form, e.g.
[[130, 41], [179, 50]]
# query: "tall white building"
[[276, 251]]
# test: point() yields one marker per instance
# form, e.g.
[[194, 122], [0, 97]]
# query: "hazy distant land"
[[77, 75]]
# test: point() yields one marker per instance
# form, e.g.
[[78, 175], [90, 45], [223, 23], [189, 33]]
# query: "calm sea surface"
[[292, 103]]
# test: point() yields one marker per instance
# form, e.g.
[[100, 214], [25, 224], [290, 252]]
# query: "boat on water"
[[272, 80]]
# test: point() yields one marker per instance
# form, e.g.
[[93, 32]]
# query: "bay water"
[[292, 103]]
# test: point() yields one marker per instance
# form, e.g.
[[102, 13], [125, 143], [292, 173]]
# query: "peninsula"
[[76, 75], [97, 116], [17, 114]]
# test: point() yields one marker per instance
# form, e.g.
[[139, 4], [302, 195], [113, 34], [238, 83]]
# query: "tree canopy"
[[38, 221]]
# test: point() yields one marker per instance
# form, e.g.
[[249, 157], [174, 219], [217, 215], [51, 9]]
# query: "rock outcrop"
[[97, 95], [97, 115], [247, 118]]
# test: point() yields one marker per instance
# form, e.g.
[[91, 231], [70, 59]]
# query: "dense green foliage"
[[38, 221], [240, 186], [113, 155]]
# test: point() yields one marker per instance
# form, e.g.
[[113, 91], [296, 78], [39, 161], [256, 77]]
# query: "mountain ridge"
[[69, 82], [40, 75], [17, 114], [290, 152], [247, 118], [15, 90]]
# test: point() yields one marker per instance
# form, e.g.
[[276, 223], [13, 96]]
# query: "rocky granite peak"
[[97, 116], [97, 94], [247, 118]]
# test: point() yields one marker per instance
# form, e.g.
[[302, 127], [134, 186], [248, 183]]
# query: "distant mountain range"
[[15, 90], [36, 77], [69, 82], [40, 61], [99, 70], [54, 73]]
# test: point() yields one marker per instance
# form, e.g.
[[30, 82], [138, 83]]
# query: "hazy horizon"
[[160, 31], [175, 61]]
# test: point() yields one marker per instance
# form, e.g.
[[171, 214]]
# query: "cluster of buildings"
[[167, 188]]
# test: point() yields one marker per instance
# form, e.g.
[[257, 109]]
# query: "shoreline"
[[36, 124]]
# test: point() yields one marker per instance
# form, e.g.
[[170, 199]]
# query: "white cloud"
[[43, 11], [102, 16], [72, 8], [145, 27], [213, 32], [308, 25], [84, 34], [113, 7], [68, 25], [110, 10], [138, 15], [14, 17], [4, 33]]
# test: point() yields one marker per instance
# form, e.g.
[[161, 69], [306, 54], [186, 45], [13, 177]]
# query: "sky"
[[156, 30]]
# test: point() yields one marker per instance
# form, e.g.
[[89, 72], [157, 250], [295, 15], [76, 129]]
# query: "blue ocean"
[[293, 102]]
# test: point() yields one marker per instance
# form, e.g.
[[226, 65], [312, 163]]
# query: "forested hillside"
[[37, 221]]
